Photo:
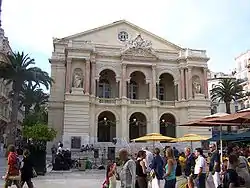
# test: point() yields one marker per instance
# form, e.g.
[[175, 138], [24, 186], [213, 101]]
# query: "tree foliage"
[[227, 90], [17, 71], [39, 132]]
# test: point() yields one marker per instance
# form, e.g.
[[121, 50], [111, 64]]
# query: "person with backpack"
[[13, 169]]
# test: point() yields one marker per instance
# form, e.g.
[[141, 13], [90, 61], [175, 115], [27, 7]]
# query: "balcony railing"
[[167, 103], [137, 101], [116, 101], [107, 101]]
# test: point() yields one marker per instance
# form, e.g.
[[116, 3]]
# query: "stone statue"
[[196, 86], [78, 81]]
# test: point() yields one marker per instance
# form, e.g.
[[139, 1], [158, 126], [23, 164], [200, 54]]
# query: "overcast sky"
[[222, 27]]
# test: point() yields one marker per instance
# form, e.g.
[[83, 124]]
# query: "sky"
[[222, 27]]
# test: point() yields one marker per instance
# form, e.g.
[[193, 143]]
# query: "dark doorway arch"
[[168, 125], [137, 125], [106, 127]]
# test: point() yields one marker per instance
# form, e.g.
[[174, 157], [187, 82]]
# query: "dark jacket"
[[157, 166], [27, 169], [190, 163]]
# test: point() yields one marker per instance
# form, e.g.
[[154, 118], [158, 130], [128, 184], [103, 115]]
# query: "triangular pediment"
[[139, 47], [108, 35]]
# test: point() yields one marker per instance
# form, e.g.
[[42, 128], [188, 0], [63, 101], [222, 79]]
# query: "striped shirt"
[[128, 174]]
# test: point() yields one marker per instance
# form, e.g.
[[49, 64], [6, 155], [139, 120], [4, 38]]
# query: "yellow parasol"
[[190, 138], [154, 137]]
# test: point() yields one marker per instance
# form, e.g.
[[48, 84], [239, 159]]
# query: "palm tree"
[[18, 70], [32, 96], [227, 90]]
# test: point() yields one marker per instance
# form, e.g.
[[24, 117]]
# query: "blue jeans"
[[201, 181], [170, 183]]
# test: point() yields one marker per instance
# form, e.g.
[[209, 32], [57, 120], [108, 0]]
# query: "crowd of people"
[[148, 169]]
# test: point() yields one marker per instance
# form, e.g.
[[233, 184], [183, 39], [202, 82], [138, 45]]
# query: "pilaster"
[[68, 74], [189, 83], [182, 85], [205, 83], [124, 83], [87, 76], [93, 82], [124, 121], [153, 82]]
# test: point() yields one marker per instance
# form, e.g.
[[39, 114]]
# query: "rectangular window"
[[161, 93], [76, 142]]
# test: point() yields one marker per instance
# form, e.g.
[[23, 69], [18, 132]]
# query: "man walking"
[[127, 174], [214, 165]]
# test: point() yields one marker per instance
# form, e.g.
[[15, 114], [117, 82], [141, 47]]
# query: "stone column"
[[150, 90], [93, 82], [117, 88], [68, 74], [97, 87], [190, 82], [205, 83], [153, 82], [186, 83], [87, 76], [182, 85], [124, 123], [124, 81], [120, 89]]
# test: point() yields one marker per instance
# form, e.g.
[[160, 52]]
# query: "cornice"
[[192, 58]]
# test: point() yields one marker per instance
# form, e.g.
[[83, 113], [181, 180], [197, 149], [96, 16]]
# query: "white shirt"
[[149, 159], [200, 163]]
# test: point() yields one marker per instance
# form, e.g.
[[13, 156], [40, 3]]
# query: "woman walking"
[[27, 170], [170, 177], [141, 170]]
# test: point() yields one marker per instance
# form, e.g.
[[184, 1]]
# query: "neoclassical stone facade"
[[121, 81]]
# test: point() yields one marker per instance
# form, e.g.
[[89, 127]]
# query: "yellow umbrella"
[[190, 138], [154, 137]]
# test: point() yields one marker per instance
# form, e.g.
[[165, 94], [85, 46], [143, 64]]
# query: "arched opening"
[[107, 87], [137, 125], [168, 125], [166, 90], [137, 87], [106, 127]]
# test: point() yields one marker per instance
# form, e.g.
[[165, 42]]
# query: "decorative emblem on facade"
[[139, 43], [139, 47], [78, 78]]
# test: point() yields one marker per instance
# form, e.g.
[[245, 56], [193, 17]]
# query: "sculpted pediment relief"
[[139, 47]]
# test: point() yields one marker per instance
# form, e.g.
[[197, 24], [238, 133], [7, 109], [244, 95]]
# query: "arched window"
[[133, 90], [104, 89]]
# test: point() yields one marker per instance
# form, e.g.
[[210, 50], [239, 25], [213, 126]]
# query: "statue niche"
[[78, 78], [196, 84]]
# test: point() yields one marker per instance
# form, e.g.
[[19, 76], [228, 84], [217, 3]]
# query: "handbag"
[[112, 182], [155, 183]]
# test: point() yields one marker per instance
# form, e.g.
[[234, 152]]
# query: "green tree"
[[32, 96], [18, 70], [227, 90]]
